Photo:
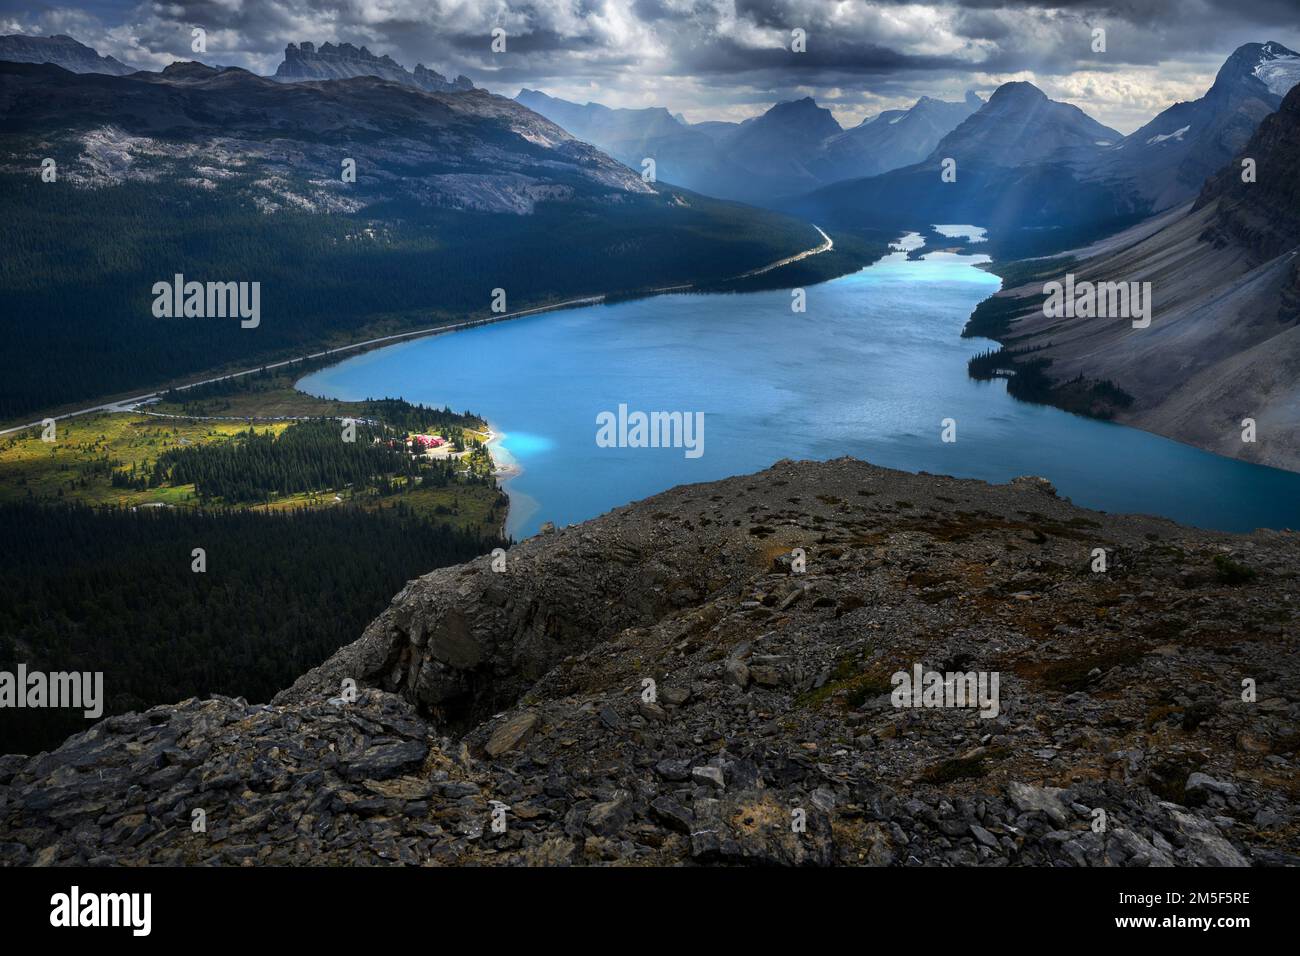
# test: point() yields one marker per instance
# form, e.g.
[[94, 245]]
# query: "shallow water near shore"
[[871, 369]]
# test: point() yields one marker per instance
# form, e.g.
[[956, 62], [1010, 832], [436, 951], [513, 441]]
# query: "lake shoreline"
[[879, 397], [1099, 399]]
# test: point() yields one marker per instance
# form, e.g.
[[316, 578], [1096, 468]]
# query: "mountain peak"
[[1017, 90], [1252, 53], [802, 117], [1278, 68], [1272, 50], [1021, 124], [1271, 63], [804, 105], [930, 104]]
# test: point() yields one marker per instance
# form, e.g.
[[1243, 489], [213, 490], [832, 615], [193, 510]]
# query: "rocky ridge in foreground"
[[1121, 738]]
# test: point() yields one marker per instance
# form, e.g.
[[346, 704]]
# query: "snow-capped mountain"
[[1278, 68], [1166, 161]]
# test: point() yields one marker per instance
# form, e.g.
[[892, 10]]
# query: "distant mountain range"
[[791, 148], [892, 139], [303, 61], [61, 51], [682, 152], [1042, 175], [1014, 175], [1074, 177]]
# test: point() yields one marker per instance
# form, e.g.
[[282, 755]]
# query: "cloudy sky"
[[721, 59]]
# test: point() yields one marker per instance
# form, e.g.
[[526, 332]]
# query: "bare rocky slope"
[[1121, 737], [1224, 340], [281, 144]]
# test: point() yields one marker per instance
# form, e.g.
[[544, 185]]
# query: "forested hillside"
[[305, 537], [113, 590], [323, 279]]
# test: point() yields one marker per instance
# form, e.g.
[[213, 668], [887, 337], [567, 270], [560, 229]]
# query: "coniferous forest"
[[319, 284], [113, 590], [305, 457]]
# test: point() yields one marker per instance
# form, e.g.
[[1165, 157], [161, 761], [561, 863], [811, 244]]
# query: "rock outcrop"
[[303, 61], [705, 677]]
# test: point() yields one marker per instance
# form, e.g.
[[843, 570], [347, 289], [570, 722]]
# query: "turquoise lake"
[[871, 369]]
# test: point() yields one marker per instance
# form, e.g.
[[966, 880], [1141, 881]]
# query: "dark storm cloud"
[[839, 56], [705, 56]]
